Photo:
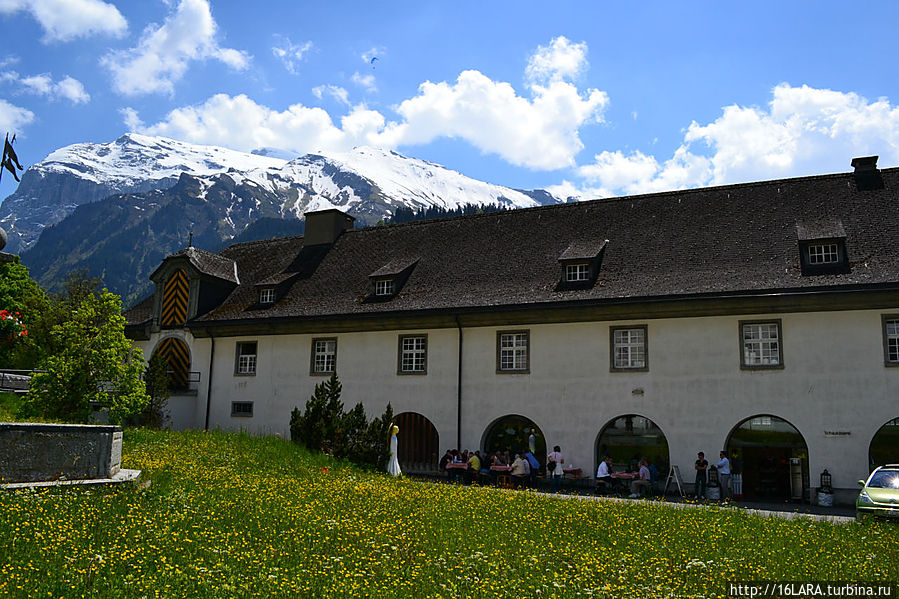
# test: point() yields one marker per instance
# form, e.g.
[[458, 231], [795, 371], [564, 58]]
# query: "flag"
[[10, 161]]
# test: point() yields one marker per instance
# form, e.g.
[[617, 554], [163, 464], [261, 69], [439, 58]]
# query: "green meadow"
[[232, 515]]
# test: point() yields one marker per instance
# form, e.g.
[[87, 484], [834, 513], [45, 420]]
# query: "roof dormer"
[[580, 264], [189, 283], [822, 247], [388, 280]]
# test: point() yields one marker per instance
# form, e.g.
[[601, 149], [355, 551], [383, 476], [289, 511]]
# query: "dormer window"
[[267, 295], [385, 287], [823, 253], [388, 280], [580, 264], [577, 272], [822, 247]]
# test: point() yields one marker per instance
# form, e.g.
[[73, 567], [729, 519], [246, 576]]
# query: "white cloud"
[[67, 88], [240, 123], [164, 52], [540, 132], [803, 131], [291, 55], [561, 60], [364, 81], [335, 91], [537, 131], [13, 118], [131, 119], [65, 20]]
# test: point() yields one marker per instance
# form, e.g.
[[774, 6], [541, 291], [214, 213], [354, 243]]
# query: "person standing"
[[723, 466], [702, 475], [554, 467], [534, 466], [393, 465]]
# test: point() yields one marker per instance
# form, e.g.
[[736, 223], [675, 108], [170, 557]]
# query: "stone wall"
[[34, 452]]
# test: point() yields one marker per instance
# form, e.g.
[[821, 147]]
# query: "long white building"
[[759, 318]]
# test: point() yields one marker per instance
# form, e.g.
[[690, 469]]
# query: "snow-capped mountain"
[[368, 183]]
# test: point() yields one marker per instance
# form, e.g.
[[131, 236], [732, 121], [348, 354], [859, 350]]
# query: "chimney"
[[325, 226], [867, 175]]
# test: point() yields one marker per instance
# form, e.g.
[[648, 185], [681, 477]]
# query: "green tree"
[[93, 365], [20, 294], [156, 382]]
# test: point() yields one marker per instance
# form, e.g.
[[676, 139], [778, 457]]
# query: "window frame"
[[612, 347], [582, 269], [527, 361], [312, 370], [401, 352], [780, 344], [267, 295], [885, 319], [238, 355], [240, 413], [385, 287], [825, 245]]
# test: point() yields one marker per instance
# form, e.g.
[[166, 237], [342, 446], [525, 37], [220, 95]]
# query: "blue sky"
[[594, 98]]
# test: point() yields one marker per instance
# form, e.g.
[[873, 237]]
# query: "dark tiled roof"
[[140, 312], [214, 265], [583, 249], [702, 242], [825, 228], [394, 267]]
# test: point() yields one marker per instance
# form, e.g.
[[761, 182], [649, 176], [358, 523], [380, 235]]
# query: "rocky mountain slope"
[[117, 209]]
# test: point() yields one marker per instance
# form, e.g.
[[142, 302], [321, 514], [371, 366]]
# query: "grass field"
[[231, 515]]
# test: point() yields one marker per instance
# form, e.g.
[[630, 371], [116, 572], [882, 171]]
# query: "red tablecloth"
[[500, 468], [624, 475], [576, 472], [457, 466]]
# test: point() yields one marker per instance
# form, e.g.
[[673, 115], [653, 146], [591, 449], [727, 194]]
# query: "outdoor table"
[[573, 472], [500, 468], [622, 478], [502, 475], [456, 470]]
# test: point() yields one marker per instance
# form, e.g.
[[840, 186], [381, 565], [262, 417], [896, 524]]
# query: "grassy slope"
[[236, 516]]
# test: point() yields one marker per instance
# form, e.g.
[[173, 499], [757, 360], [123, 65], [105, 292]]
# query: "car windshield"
[[885, 479]]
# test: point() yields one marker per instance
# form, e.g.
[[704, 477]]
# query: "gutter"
[[209, 383], [459, 389]]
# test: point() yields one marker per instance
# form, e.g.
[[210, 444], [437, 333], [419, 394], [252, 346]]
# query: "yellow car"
[[880, 493]]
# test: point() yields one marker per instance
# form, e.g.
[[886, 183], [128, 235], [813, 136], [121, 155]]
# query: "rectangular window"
[[891, 340], [245, 363], [577, 272], [512, 351], [761, 344], [629, 348], [242, 408], [324, 356], [413, 354], [384, 287], [823, 253], [266, 296]]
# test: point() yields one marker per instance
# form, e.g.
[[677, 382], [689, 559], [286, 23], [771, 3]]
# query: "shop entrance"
[[771, 456]]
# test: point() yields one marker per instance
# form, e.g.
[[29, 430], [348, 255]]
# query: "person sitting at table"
[[643, 481], [474, 467], [604, 475], [519, 470], [499, 460], [447, 458]]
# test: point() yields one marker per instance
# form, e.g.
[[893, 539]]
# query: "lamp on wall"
[[826, 482]]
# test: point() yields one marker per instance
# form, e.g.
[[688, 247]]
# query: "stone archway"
[[630, 437], [771, 455], [884, 447], [515, 433], [177, 356], [418, 443]]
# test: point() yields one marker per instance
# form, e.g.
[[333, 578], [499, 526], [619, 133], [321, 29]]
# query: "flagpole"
[[3, 161]]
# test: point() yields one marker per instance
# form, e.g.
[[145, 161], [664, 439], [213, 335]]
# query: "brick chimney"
[[325, 226], [867, 175]]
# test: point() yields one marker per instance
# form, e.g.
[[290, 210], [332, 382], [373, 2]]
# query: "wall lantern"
[[826, 482]]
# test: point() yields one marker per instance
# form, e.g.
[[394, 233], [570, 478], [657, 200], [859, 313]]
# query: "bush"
[[325, 426]]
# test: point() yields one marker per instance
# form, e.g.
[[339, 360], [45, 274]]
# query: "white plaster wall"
[[834, 380], [186, 411]]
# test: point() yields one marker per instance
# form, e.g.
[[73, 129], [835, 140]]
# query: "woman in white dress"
[[393, 464]]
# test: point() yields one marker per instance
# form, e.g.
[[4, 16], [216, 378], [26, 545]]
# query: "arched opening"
[[515, 434], [884, 448], [628, 438], [771, 456], [177, 356], [417, 444]]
